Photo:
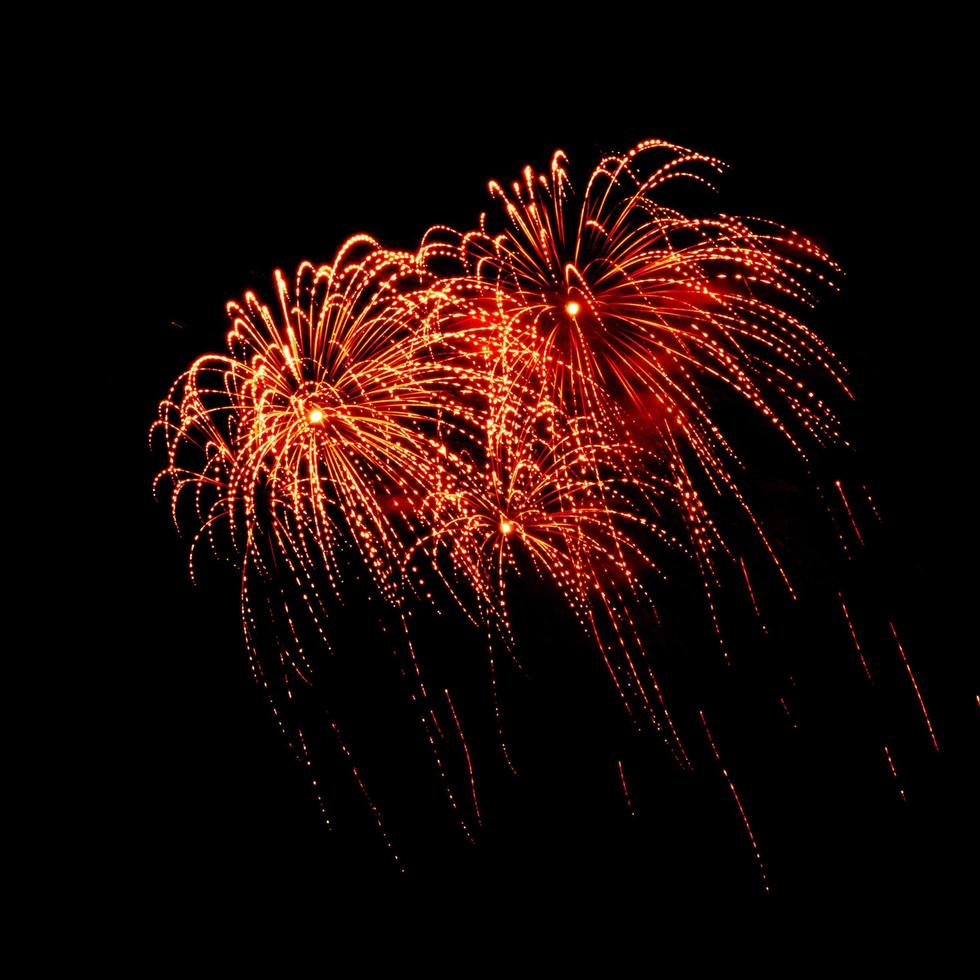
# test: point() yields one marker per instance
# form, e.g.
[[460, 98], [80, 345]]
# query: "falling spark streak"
[[738, 802], [857, 646], [847, 507], [466, 752], [308, 761], [915, 686], [375, 812], [748, 586], [786, 711], [626, 792], [437, 758], [871, 503], [891, 766], [435, 721]]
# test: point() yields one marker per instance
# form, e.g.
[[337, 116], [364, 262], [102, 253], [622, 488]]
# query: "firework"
[[322, 426], [307, 447], [548, 497], [544, 397], [640, 317]]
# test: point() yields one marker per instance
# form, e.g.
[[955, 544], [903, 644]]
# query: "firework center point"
[[572, 308], [316, 416], [505, 526]]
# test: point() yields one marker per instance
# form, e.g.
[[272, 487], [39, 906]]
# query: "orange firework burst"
[[312, 442], [551, 496], [637, 316], [320, 428], [626, 298], [538, 397]]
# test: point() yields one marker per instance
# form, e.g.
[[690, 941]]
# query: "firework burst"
[[322, 426], [640, 318], [308, 448], [536, 398], [549, 497]]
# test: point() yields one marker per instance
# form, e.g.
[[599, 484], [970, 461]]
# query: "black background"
[[208, 165]]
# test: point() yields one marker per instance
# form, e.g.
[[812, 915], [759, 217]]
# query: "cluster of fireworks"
[[537, 396]]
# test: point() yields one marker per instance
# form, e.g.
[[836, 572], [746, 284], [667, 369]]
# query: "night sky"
[[204, 183]]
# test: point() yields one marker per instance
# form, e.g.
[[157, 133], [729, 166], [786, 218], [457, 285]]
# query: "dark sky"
[[207, 170]]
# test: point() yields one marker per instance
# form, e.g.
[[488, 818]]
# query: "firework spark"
[[738, 802], [626, 792], [915, 687]]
